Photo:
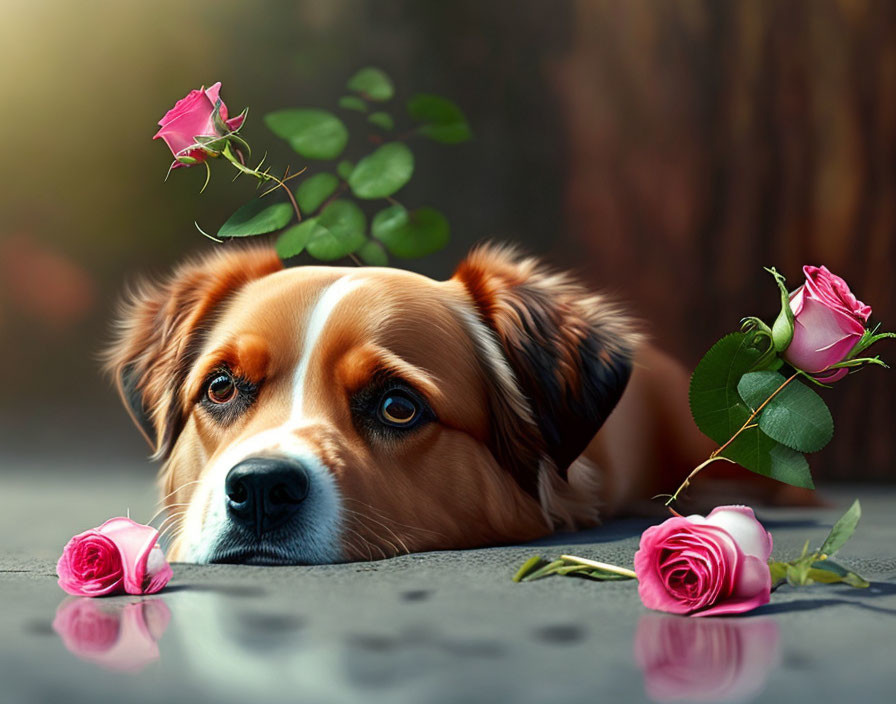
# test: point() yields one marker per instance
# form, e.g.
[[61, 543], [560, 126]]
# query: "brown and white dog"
[[321, 414]]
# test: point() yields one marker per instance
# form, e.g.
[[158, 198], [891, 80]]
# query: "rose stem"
[[715, 454], [262, 176], [600, 565]]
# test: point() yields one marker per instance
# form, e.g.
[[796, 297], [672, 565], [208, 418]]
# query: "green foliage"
[[536, 567], [344, 168], [382, 120], [812, 567], [372, 83], [442, 120], [338, 231], [292, 242], [315, 134], [782, 329], [314, 190], [372, 253], [382, 173], [720, 413], [341, 228], [842, 530], [352, 102], [408, 235], [796, 416], [257, 218]]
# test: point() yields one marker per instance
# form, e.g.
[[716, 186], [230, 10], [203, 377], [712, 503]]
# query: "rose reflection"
[[113, 635], [705, 659]]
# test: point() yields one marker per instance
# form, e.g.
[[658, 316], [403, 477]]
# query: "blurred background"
[[665, 150]]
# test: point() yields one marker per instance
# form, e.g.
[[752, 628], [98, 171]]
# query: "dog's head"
[[320, 414]]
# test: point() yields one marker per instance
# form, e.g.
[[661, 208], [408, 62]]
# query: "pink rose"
[[192, 117], [120, 556], [115, 636], [828, 322], [705, 566], [706, 660]]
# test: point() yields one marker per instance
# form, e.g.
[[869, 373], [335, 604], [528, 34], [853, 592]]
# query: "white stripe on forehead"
[[320, 314]]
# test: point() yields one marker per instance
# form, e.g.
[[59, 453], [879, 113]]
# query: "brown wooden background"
[[667, 149], [708, 139]]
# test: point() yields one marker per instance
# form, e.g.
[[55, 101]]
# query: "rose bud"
[[192, 117], [706, 660], [828, 323], [120, 556], [705, 566]]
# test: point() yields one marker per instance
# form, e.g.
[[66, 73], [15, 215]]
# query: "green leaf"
[[372, 83], [372, 253], [546, 571], [313, 133], [756, 451], [798, 573], [827, 571], [409, 235], [352, 102], [292, 242], [381, 119], [382, 173], [256, 218], [716, 406], [339, 231], [527, 567], [443, 121], [344, 168], [778, 571], [591, 573], [782, 329], [796, 417], [720, 412], [842, 530], [314, 191]]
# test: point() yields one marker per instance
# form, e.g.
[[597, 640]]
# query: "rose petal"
[[833, 290], [832, 376], [135, 543], [741, 524], [182, 106], [821, 337], [753, 589], [90, 565]]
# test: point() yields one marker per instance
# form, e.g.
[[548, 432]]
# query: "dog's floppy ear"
[[569, 351], [160, 329]]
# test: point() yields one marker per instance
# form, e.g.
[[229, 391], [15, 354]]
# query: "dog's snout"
[[264, 493]]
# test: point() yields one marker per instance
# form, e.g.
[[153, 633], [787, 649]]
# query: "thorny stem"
[[715, 456], [264, 176]]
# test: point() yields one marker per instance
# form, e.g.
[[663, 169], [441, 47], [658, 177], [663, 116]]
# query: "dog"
[[320, 414]]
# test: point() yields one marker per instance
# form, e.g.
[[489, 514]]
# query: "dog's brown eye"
[[221, 389], [398, 409]]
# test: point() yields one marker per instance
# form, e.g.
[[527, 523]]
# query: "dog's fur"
[[520, 368]]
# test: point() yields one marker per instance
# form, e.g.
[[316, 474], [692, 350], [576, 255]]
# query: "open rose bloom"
[[191, 117], [828, 322], [705, 566], [119, 557]]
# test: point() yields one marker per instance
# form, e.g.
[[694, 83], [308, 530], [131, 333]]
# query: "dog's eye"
[[221, 389], [398, 409]]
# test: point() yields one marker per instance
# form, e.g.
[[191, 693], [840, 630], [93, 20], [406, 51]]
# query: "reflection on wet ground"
[[113, 635], [680, 658], [446, 627], [705, 659]]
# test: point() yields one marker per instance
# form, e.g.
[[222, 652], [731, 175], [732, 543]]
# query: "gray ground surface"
[[437, 627]]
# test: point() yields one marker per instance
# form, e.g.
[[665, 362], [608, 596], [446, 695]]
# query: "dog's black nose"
[[264, 493]]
